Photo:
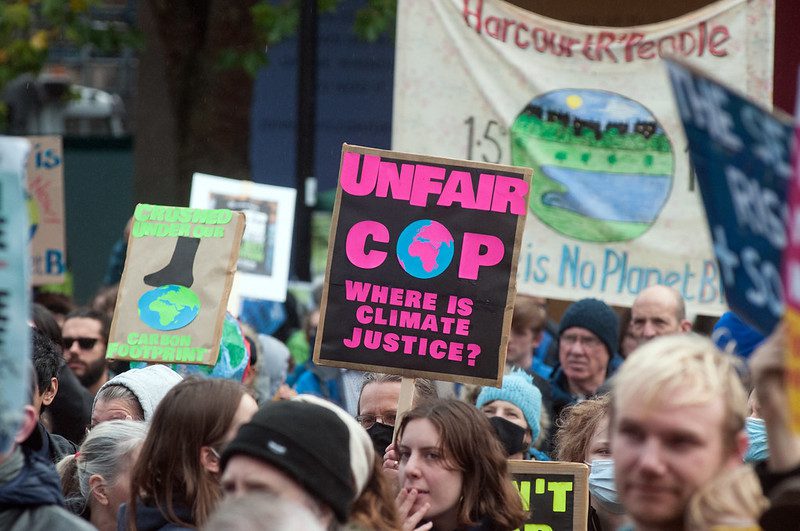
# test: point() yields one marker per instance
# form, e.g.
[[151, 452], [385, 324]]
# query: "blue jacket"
[[30, 495]]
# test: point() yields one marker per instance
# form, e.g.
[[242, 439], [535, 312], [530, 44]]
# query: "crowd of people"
[[679, 430]]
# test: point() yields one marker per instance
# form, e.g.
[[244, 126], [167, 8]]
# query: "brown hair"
[[577, 425], [196, 412], [375, 508], [470, 446], [528, 315]]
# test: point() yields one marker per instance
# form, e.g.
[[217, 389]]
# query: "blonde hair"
[[687, 368], [732, 499]]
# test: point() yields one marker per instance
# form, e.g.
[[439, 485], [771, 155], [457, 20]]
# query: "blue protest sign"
[[740, 153], [15, 341]]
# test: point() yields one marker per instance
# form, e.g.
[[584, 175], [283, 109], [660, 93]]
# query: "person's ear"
[[51, 392], [209, 459], [686, 326], [97, 486], [29, 420]]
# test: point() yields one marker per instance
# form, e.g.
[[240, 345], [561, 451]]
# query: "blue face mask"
[[757, 433], [601, 485]]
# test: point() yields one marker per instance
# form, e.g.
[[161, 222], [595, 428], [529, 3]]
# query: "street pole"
[[306, 117]]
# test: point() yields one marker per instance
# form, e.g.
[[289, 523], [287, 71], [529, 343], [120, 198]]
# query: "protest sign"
[[791, 279], [263, 268], [590, 110], [45, 199], [740, 154], [421, 268], [15, 341], [556, 494], [175, 285]]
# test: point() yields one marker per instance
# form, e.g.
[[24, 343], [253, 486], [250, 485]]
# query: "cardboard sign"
[[421, 266], [45, 201], [740, 153], [175, 285], [556, 494], [15, 344], [263, 268], [613, 205]]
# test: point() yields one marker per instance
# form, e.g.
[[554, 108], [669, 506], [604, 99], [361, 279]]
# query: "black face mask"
[[381, 435], [511, 435]]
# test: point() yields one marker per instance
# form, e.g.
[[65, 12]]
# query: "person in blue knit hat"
[[514, 411]]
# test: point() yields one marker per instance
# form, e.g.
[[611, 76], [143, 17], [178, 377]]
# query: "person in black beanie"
[[588, 337], [296, 450]]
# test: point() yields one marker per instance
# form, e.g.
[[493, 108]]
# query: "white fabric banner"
[[613, 203]]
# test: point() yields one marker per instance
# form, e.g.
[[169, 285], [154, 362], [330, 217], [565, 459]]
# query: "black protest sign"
[[421, 266], [555, 494]]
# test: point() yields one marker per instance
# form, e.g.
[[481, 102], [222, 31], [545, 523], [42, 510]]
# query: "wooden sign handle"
[[406, 398]]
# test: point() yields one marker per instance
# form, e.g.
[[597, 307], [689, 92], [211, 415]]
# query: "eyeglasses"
[[84, 343], [368, 421], [587, 341]]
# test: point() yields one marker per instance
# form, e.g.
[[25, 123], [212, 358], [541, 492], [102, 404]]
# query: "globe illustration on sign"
[[425, 248], [168, 307], [602, 163]]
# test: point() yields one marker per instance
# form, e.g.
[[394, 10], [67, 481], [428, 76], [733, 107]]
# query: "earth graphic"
[[603, 163], [425, 248], [168, 307]]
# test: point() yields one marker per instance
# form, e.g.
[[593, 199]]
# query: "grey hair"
[[424, 389], [120, 392], [106, 447]]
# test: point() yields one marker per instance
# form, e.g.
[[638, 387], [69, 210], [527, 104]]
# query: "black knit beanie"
[[595, 316], [307, 442]]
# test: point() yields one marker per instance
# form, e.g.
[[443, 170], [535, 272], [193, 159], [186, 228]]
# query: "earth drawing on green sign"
[[603, 165], [168, 307]]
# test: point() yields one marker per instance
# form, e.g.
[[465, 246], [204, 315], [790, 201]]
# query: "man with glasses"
[[588, 337], [85, 336], [377, 405]]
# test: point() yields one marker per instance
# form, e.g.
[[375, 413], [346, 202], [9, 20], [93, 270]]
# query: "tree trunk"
[[210, 107]]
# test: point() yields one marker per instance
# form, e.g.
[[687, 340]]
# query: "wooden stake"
[[404, 404]]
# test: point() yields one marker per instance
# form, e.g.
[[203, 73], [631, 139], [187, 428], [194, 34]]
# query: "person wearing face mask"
[[582, 437], [756, 428], [377, 405], [514, 410]]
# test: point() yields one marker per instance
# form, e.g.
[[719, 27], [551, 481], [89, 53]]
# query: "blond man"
[[678, 410]]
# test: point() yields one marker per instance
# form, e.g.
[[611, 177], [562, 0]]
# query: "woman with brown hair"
[[175, 483], [453, 471]]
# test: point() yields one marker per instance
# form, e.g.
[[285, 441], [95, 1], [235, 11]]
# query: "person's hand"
[[405, 502], [284, 392], [391, 464], [768, 368]]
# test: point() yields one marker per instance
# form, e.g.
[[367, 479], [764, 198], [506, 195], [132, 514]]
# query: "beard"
[[94, 371]]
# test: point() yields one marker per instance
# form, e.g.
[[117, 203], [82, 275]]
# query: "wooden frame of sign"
[[551, 496], [494, 200]]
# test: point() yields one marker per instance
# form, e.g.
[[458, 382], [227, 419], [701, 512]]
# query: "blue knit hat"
[[595, 316], [519, 390], [731, 330]]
